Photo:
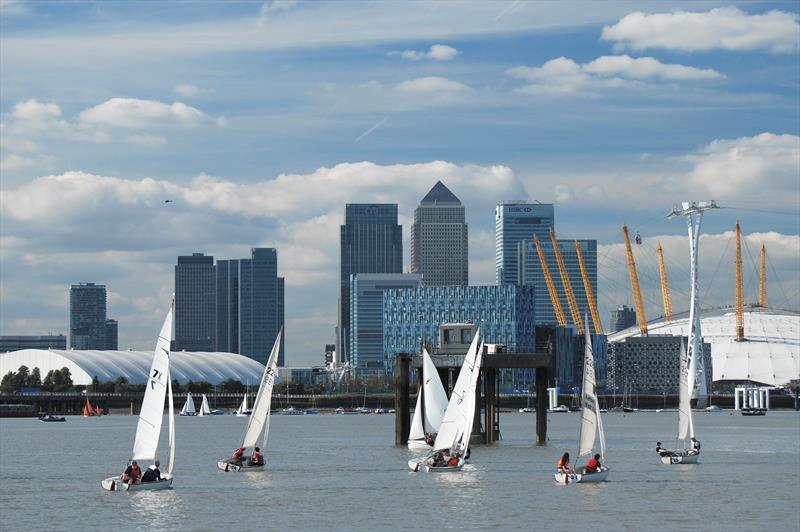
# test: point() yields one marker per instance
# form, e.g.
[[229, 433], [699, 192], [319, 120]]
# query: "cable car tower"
[[694, 355]]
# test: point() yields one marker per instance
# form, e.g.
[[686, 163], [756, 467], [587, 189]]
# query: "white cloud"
[[724, 28], [134, 113], [563, 193], [431, 84], [15, 162], [146, 140], [437, 52], [186, 89], [13, 8], [35, 111], [564, 76]]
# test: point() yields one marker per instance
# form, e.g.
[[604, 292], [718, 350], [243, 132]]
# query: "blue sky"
[[261, 120]]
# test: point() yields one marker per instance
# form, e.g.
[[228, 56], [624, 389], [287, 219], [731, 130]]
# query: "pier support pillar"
[[402, 418], [541, 406], [490, 397]]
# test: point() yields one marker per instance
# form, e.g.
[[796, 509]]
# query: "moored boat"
[[684, 455], [49, 418]]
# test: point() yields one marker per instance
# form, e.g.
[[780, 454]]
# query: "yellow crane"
[[551, 287], [641, 317], [562, 269], [587, 286], [762, 278], [664, 286], [739, 287]]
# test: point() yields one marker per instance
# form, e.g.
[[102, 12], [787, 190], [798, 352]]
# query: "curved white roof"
[[135, 365], [771, 354]]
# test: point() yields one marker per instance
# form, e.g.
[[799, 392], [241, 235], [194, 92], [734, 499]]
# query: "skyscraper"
[[87, 316], [515, 222], [371, 241], [111, 335], [195, 303], [261, 307], [622, 318], [228, 306], [439, 249]]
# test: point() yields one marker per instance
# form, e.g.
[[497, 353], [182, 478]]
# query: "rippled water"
[[333, 472]]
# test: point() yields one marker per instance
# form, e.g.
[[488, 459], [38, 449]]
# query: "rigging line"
[[757, 201], [714, 275], [754, 271], [777, 279], [773, 212]]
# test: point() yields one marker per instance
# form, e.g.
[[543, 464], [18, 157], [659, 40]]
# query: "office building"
[[112, 333], [195, 303], [622, 318], [371, 241], [515, 222], [261, 305], [16, 343], [531, 273], [366, 318], [330, 350], [87, 316], [227, 288], [504, 313], [439, 248]]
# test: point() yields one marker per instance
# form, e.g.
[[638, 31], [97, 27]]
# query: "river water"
[[334, 472]]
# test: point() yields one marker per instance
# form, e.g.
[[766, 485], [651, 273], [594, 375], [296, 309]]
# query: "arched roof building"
[[770, 355], [135, 365]]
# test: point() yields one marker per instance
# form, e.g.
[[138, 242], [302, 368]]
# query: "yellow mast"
[[664, 286], [739, 287], [762, 278], [562, 269], [641, 317], [551, 287], [587, 287]]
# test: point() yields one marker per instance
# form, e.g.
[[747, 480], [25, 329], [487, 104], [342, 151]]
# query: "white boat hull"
[[116, 484], [680, 459], [581, 477], [425, 465], [228, 467]]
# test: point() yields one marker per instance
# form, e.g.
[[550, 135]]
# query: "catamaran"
[[431, 404], [456, 427], [259, 419], [205, 409], [151, 416], [188, 407], [684, 455], [591, 425]]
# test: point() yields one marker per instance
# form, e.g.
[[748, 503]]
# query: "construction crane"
[[587, 287], [641, 317], [762, 278], [739, 287], [551, 287], [562, 269], [664, 286]]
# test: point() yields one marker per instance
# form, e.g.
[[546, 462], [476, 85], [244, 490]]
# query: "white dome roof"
[[771, 354], [135, 365]]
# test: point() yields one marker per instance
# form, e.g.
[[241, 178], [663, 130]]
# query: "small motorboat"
[[754, 411], [560, 409], [49, 418]]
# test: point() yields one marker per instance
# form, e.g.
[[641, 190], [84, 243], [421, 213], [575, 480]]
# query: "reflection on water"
[[331, 472]]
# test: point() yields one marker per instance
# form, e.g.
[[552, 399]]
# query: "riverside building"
[[517, 221], [89, 327], [195, 299]]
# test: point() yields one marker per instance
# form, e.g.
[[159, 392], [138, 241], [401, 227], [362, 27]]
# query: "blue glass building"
[[261, 307], [366, 317], [516, 222], [505, 314], [195, 329], [371, 241]]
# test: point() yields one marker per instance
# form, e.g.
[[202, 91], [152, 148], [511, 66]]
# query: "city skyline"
[[114, 162]]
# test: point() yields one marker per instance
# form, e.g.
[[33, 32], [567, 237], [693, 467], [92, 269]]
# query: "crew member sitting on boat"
[[152, 474], [132, 474], [238, 456], [453, 462], [695, 446], [256, 458], [563, 464], [438, 459], [429, 439], [658, 447], [593, 465]]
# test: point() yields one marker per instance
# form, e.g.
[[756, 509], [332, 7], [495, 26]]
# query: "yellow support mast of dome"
[[762, 278], [587, 286], [641, 317], [551, 287], [562, 269], [662, 269], [739, 287]]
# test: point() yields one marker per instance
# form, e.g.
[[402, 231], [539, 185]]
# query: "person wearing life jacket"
[[695, 446], [256, 458], [453, 462], [238, 454], [429, 439], [593, 465], [132, 474], [563, 464]]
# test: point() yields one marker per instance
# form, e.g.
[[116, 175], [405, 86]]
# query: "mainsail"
[[263, 403], [590, 413], [205, 410], [188, 407], [417, 430], [454, 422], [171, 406], [685, 425], [152, 413], [433, 393]]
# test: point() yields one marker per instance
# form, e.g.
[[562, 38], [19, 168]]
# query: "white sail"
[[171, 418], [152, 412], [472, 397], [188, 406], [590, 413], [263, 402], [417, 430], [455, 417], [205, 410], [243, 407], [684, 399], [433, 393]]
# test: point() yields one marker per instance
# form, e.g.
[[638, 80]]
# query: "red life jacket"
[[256, 458], [137, 473], [593, 465], [563, 463]]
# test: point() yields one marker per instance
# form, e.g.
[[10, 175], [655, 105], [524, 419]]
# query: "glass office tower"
[[516, 222]]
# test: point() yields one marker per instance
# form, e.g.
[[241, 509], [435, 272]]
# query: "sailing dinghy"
[[243, 410], [188, 407], [259, 419], [151, 416], [205, 409], [591, 425], [431, 404], [456, 427], [685, 421]]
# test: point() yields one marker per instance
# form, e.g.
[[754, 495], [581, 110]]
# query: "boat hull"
[[418, 445], [424, 465], [581, 477], [116, 484], [228, 467], [680, 459]]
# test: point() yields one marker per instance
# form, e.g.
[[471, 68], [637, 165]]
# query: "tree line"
[[58, 380]]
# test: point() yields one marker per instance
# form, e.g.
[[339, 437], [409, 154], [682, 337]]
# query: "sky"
[[261, 120]]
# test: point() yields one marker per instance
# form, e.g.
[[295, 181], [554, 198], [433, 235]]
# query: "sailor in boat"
[[238, 456], [593, 465], [695, 446], [453, 462], [663, 452], [257, 458], [429, 439], [563, 464], [132, 474], [153, 473]]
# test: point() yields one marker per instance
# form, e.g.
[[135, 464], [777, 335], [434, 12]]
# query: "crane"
[[739, 287], [551, 287], [587, 287], [562, 269], [664, 286], [641, 317], [762, 278]]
